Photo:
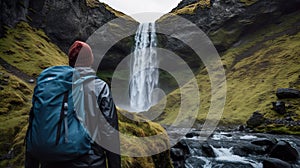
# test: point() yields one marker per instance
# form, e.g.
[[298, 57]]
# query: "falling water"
[[143, 74]]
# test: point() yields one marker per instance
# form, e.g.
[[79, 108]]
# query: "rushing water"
[[143, 73], [228, 149]]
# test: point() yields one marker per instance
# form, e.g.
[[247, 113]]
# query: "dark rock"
[[279, 107], [182, 144], [194, 162], [255, 120], [275, 163], [283, 93], [12, 11], [264, 142], [1, 88], [254, 149], [6, 76], [227, 164], [241, 128], [178, 164], [191, 134], [208, 150], [284, 151], [4, 82], [289, 118], [177, 154]]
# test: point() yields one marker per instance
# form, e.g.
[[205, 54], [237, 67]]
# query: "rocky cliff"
[[258, 42], [67, 21], [226, 22]]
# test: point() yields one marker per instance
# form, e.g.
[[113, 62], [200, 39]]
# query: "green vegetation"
[[138, 127], [30, 50], [92, 3], [14, 107], [249, 2], [264, 61], [190, 9]]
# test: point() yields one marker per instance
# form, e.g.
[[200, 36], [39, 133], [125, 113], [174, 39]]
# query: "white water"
[[143, 73], [248, 137], [225, 154]]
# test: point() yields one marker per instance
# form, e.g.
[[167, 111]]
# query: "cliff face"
[[67, 21], [258, 42], [12, 11], [226, 22]]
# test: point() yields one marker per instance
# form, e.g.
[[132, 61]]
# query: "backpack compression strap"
[[64, 108]]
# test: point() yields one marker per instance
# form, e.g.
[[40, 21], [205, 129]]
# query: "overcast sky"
[[132, 7]]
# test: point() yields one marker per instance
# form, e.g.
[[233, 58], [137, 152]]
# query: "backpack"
[[56, 131]]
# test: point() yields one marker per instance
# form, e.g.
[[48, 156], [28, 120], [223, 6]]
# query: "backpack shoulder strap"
[[62, 116]]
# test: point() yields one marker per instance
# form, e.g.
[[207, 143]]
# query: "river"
[[235, 149]]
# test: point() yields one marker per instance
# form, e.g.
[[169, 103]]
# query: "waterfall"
[[143, 73]]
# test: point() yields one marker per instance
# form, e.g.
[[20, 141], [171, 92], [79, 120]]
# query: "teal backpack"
[[56, 131]]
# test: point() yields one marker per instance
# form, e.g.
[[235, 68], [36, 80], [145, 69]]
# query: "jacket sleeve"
[[109, 128]]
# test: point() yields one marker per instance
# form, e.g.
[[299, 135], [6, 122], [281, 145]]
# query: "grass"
[[132, 129], [15, 105], [191, 9], [264, 61], [92, 3], [30, 50], [248, 2]]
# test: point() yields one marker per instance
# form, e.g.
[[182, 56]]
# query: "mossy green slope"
[[201, 4], [263, 61], [31, 51], [190, 9], [15, 104]]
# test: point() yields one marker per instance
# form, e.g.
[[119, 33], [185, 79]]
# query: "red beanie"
[[80, 55]]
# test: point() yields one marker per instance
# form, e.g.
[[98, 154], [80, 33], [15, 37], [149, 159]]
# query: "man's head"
[[80, 55]]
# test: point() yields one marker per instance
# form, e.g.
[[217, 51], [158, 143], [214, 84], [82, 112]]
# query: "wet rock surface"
[[283, 93], [237, 149]]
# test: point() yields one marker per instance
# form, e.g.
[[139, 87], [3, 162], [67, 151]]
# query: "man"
[[100, 118]]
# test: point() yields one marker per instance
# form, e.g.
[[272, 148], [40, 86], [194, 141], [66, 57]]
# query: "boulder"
[[283, 93], [279, 107], [275, 163], [255, 120], [228, 164], [208, 150], [264, 142], [183, 145], [284, 151], [177, 154], [194, 162], [191, 134]]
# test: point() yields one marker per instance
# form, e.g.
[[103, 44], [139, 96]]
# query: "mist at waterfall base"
[[144, 73]]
